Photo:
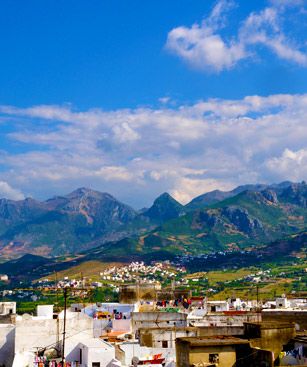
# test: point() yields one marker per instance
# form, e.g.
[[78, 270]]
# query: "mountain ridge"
[[86, 218]]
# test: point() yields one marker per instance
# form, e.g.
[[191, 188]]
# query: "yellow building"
[[221, 351]]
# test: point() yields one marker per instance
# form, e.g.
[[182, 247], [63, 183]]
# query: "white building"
[[7, 308], [40, 332], [90, 352], [282, 302], [217, 306]]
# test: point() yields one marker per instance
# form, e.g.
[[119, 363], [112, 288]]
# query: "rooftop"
[[270, 324], [211, 341]]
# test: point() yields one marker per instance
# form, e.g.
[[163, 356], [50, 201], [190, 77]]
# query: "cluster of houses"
[[4, 278], [20, 294], [157, 327], [145, 273]]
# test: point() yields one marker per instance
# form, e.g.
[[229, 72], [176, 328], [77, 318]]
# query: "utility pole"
[[56, 291], [64, 328], [258, 309]]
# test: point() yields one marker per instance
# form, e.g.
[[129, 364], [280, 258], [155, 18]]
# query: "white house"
[[7, 308], [217, 306], [90, 352]]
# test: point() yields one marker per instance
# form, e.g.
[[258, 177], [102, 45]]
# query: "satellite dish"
[[135, 361], [26, 316]]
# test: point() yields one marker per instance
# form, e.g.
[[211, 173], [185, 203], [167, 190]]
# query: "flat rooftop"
[[188, 328], [271, 324], [212, 341]]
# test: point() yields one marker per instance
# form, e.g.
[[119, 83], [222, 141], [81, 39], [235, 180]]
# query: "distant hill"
[[283, 251], [24, 265], [30, 267], [216, 196], [249, 219], [62, 224], [86, 219]]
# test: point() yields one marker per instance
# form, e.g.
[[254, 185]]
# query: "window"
[[96, 364], [164, 344], [214, 358]]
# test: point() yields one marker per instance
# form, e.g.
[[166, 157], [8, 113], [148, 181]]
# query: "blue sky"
[[141, 97]]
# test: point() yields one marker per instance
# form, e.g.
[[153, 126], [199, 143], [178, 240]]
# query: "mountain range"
[[86, 219]]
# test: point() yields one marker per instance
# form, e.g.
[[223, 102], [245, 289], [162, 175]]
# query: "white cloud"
[[203, 47], [287, 3], [8, 192], [114, 173], [136, 154], [187, 189], [124, 133], [292, 164]]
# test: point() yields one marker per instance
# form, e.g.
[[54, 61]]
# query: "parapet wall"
[[299, 318]]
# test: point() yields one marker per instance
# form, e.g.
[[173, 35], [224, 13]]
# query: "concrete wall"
[[102, 355], [269, 337], [221, 330], [7, 344], [32, 333], [297, 317], [227, 355], [157, 319], [155, 337], [100, 326], [122, 325], [186, 355], [45, 311], [225, 320], [182, 354]]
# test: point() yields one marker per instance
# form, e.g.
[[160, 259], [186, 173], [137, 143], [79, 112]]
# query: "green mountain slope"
[[164, 208], [249, 219], [62, 225], [87, 219]]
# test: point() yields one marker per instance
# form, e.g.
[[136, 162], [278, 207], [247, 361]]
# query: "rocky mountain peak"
[[165, 207], [241, 219]]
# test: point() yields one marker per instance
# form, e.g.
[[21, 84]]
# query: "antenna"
[[135, 361], [64, 328]]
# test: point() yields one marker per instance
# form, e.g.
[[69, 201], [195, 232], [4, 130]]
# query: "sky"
[[138, 98]]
